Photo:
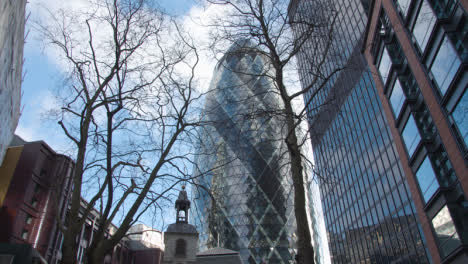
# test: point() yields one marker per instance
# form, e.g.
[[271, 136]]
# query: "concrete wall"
[[12, 22]]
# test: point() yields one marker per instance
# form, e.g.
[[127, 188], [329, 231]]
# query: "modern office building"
[[417, 51], [368, 200], [12, 21], [243, 157]]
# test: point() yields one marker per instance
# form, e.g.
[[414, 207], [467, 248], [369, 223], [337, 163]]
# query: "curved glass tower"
[[243, 152], [252, 209]]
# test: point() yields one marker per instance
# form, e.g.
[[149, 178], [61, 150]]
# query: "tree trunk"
[[305, 250], [69, 250], [97, 253], [96, 256]]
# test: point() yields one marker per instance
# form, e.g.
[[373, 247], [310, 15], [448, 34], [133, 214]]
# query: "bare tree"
[[127, 107], [267, 24]]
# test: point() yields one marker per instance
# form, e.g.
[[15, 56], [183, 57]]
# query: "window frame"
[[404, 13], [436, 236], [25, 234], [384, 49], [443, 92], [422, 192], [455, 124], [427, 39], [410, 155], [391, 93]]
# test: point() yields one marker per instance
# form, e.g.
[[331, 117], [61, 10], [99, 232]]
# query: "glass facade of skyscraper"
[[245, 164], [369, 210]]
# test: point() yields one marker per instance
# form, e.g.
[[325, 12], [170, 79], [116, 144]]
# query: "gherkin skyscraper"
[[244, 164]]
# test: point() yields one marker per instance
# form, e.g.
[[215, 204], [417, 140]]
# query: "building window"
[[397, 98], [460, 116], [404, 6], [411, 136], [384, 66], [445, 65], [24, 234], [34, 202], [181, 247], [37, 188], [80, 254], [28, 219], [426, 179], [424, 25], [446, 233]]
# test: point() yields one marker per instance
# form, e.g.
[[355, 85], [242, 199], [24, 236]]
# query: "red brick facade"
[[37, 193]]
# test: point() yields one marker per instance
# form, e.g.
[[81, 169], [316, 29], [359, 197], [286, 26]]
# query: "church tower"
[[181, 238]]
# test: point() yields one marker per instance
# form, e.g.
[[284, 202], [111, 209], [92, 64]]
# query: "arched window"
[[180, 248]]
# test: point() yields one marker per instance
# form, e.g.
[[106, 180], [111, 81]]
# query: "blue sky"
[[42, 75], [177, 7]]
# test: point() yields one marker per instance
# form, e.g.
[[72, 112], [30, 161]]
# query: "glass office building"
[[369, 209], [245, 164], [418, 50]]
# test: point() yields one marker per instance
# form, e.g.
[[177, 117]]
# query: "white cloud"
[[34, 124], [197, 22], [26, 132]]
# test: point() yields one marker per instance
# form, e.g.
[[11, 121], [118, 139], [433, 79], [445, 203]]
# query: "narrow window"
[[404, 6], [34, 202], [424, 25], [180, 249], [445, 65], [460, 116], [445, 231], [397, 98], [28, 219], [426, 179], [384, 66], [411, 136], [24, 234]]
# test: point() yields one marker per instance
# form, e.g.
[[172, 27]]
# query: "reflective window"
[[460, 116], [404, 6], [397, 98], [424, 24], [445, 65], [411, 136], [445, 231], [384, 66], [426, 179], [363, 221]]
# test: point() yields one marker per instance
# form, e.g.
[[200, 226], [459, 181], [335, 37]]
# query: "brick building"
[[33, 194], [34, 191]]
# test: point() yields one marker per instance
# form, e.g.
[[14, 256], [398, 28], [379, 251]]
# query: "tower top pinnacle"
[[182, 205]]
